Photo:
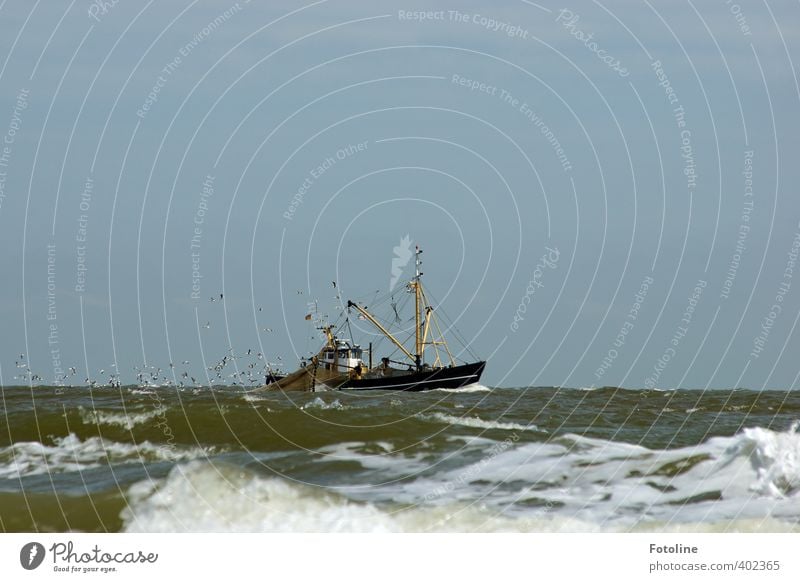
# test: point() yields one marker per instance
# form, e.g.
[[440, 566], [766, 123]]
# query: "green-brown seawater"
[[531, 459]]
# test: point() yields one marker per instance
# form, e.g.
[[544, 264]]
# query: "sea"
[[477, 459]]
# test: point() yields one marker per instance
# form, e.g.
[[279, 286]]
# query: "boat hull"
[[454, 377]]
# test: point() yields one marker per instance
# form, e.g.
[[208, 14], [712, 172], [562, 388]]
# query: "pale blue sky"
[[260, 99]]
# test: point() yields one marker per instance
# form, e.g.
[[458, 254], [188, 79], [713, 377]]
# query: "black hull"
[[454, 377]]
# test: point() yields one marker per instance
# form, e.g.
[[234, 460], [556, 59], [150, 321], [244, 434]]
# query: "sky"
[[605, 194]]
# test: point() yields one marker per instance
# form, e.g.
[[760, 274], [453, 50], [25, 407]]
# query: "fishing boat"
[[340, 364]]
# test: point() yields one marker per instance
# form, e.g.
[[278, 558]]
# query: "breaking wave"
[[69, 453], [475, 422], [320, 404], [465, 389], [121, 419]]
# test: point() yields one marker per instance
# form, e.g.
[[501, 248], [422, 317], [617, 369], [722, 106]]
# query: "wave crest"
[[70, 453]]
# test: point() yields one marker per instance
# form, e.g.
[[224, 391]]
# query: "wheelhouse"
[[342, 357]]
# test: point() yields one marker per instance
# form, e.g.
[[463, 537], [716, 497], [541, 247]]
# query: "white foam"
[[126, 420], [475, 422], [319, 404], [205, 497], [465, 389], [384, 466], [202, 497], [253, 398], [775, 457], [72, 454], [750, 476]]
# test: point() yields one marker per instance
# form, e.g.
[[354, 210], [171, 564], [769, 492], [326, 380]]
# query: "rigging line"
[[456, 333], [373, 298], [396, 348], [399, 307], [388, 322], [451, 326], [394, 308], [446, 347], [378, 299]]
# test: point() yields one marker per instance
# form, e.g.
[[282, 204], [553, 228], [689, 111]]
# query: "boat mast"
[[424, 318], [417, 296]]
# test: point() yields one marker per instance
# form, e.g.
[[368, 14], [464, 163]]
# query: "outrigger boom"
[[383, 330]]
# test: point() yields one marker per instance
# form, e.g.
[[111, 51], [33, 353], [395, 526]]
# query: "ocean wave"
[[205, 497], [474, 422], [253, 398], [775, 457], [754, 474], [465, 389], [70, 453], [409, 462], [616, 486], [126, 420], [320, 404]]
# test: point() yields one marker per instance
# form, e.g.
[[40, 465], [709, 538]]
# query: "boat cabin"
[[342, 358]]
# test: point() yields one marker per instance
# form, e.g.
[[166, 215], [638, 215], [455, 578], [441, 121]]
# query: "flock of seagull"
[[254, 371]]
